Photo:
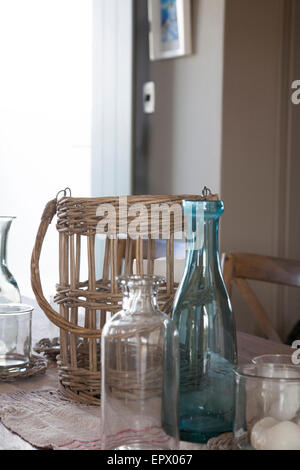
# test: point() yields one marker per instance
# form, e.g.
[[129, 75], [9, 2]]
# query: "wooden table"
[[248, 347]]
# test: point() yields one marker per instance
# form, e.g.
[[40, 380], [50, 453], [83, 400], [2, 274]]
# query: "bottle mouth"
[[269, 372], [209, 208], [136, 280], [15, 309]]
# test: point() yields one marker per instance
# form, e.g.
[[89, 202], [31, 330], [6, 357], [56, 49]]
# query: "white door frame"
[[112, 97]]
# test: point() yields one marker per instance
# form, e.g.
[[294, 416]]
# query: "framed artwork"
[[169, 28]]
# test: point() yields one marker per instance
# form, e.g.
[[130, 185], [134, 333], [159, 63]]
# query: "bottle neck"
[[4, 229], [140, 299], [203, 249]]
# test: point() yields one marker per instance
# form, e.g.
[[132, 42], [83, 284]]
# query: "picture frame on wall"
[[169, 28]]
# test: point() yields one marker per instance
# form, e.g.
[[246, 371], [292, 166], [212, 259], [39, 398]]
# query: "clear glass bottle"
[[9, 291], [207, 337], [140, 372]]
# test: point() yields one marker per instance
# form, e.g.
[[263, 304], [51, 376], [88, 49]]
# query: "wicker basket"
[[96, 298]]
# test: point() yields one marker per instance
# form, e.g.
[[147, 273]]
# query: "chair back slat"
[[267, 268], [257, 309], [238, 267]]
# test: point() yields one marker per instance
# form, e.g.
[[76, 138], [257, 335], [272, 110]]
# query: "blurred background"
[[72, 113]]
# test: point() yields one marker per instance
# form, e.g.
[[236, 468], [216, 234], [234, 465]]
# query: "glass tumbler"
[[140, 372], [15, 336], [267, 411]]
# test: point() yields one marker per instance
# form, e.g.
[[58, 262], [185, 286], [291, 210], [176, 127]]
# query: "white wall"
[[65, 114], [45, 119], [185, 131]]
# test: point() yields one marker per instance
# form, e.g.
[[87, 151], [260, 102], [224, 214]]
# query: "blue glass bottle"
[[207, 335]]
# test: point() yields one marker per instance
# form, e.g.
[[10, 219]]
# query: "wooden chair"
[[238, 267]]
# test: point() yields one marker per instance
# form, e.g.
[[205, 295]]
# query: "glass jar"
[[207, 335], [267, 411], [15, 336], [140, 372], [9, 291], [283, 359]]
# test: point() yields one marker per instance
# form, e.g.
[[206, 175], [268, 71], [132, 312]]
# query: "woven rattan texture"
[[87, 301]]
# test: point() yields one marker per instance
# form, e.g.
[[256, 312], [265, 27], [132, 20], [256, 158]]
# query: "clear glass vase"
[[140, 372], [207, 335], [9, 291]]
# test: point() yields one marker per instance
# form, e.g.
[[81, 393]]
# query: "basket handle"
[[54, 317]]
